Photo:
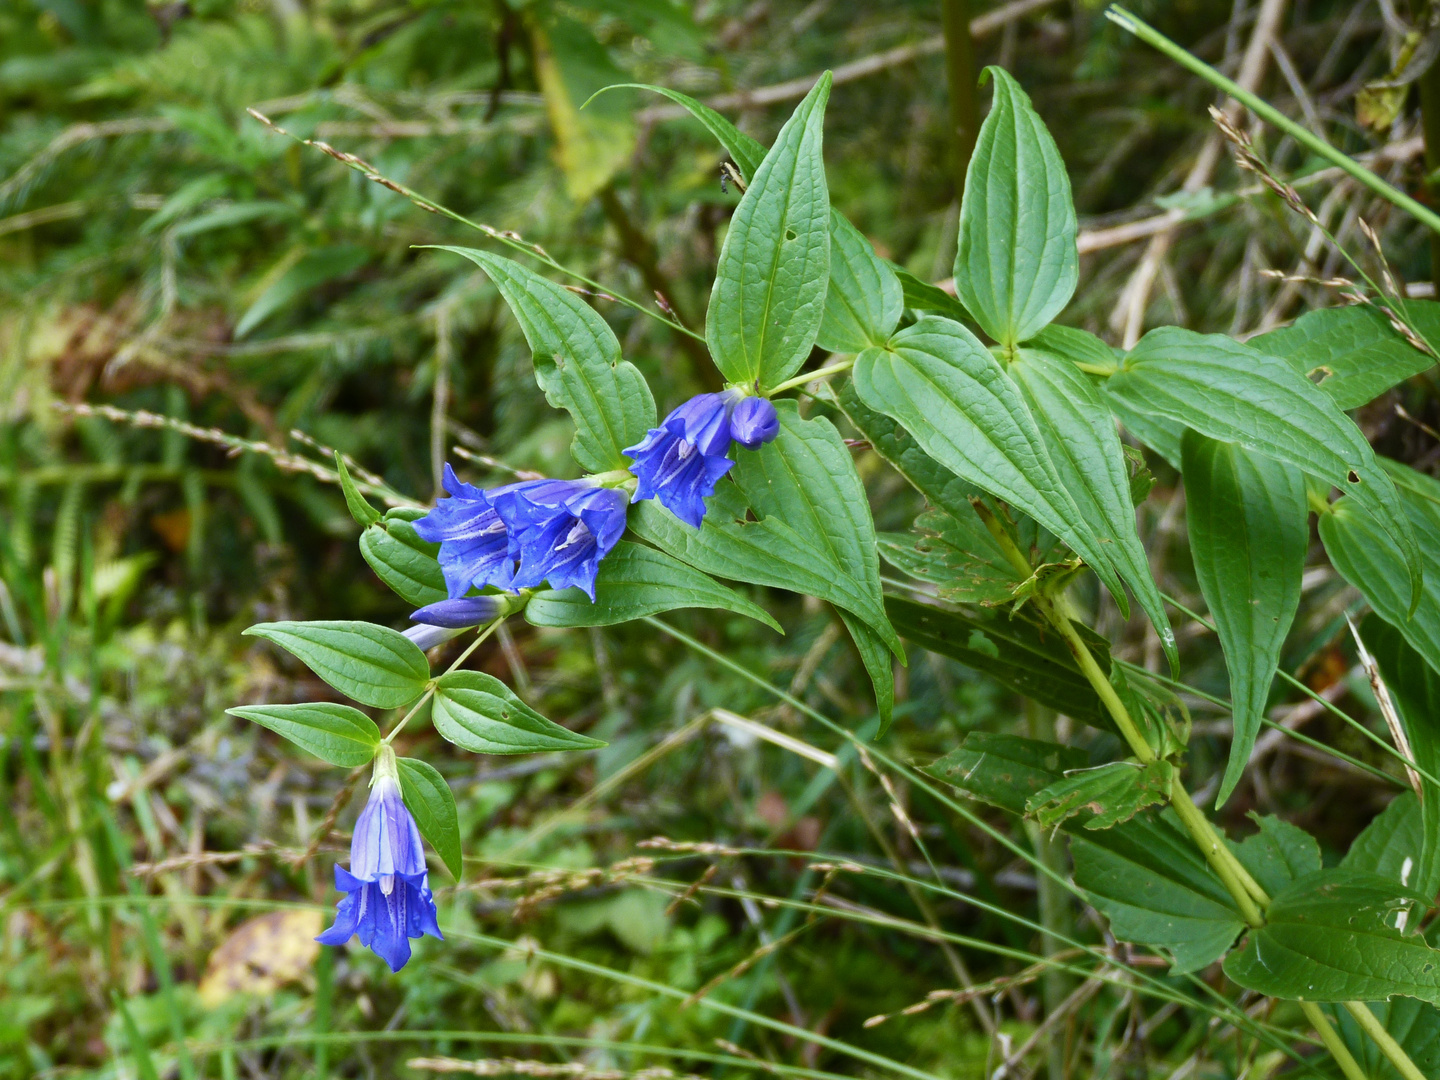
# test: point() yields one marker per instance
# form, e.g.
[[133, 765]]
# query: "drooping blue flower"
[[682, 460], [388, 899], [561, 529], [474, 546], [461, 612]]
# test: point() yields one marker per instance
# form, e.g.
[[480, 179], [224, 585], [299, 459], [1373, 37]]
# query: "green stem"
[[811, 376], [963, 84], [430, 690], [1430, 125], [1249, 897], [1371, 1025], [1306, 138], [1328, 1035], [1054, 987]]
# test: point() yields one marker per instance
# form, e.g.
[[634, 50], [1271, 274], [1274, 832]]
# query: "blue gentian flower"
[[474, 546], [388, 899], [682, 460], [461, 612], [560, 530], [754, 422]]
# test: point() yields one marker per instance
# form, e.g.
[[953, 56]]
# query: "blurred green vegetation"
[[162, 251]]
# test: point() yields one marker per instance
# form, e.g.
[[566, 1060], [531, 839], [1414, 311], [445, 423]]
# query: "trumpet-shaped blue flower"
[[388, 899], [682, 460], [560, 530], [475, 548]]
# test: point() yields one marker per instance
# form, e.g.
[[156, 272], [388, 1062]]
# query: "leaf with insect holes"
[[1005, 770], [1353, 353], [1340, 935], [1233, 393], [1148, 878], [1111, 794], [1248, 526]]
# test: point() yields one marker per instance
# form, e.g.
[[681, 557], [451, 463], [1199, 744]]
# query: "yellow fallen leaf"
[[261, 955]]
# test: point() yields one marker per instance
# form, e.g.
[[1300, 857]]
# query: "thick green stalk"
[[963, 81], [1054, 915], [1301, 134], [1243, 888], [1430, 125], [1372, 1026]]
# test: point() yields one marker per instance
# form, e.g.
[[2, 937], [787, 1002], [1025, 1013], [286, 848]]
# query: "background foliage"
[[162, 253]]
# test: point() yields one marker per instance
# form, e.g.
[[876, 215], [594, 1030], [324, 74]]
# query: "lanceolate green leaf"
[[1352, 353], [939, 485], [478, 712], [1339, 935], [1080, 435], [402, 560], [1017, 263], [769, 293], [430, 802], [1013, 651], [1247, 518], [373, 664], [813, 534], [335, 733], [879, 665], [937, 380], [922, 296], [359, 507], [577, 362], [1367, 557], [1415, 689], [864, 299], [1150, 881], [746, 152], [1233, 393], [635, 581]]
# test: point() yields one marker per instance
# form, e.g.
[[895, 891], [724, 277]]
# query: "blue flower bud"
[[388, 899], [561, 530], [682, 460], [457, 614], [474, 547], [427, 637], [754, 423]]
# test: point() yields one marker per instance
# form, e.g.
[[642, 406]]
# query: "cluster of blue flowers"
[[522, 535], [514, 537]]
